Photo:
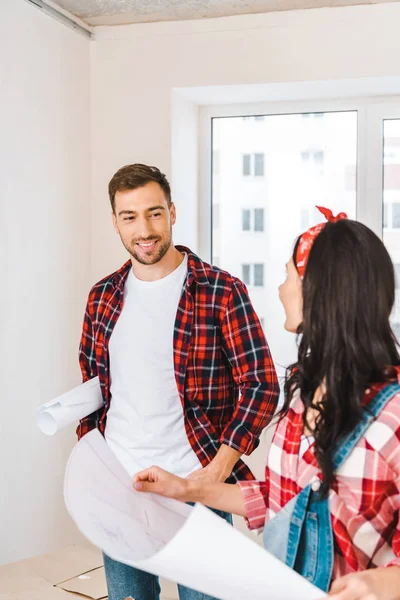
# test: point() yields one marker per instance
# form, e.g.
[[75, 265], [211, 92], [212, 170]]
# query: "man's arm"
[[253, 371], [247, 351], [87, 362], [220, 468]]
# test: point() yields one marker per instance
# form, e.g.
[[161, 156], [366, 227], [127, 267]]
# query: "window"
[[253, 164], [258, 219], [246, 274], [396, 215], [312, 115], [259, 275], [391, 206], [253, 219], [253, 274], [304, 219], [253, 118], [251, 242], [246, 164], [313, 157], [397, 274], [259, 165], [246, 219], [391, 214], [216, 162], [216, 216]]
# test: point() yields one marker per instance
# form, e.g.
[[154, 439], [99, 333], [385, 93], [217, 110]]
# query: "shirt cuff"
[[254, 502], [239, 438]]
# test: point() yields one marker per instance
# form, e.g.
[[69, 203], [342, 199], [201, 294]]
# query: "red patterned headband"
[[308, 238]]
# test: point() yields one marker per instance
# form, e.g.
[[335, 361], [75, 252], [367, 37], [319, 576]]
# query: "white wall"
[[136, 68], [45, 221]]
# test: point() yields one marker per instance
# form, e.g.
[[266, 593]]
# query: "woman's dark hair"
[[345, 339]]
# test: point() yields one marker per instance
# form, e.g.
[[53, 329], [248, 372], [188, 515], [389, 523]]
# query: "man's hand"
[[219, 469], [372, 584], [212, 473]]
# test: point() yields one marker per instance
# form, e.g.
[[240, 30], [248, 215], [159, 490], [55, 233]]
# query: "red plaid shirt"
[[225, 376], [365, 498]]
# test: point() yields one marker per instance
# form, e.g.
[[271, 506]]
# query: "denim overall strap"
[[347, 444]]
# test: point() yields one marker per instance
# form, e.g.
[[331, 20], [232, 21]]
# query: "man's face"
[[144, 221]]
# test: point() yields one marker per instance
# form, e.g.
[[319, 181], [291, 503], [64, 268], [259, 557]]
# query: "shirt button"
[[315, 484]]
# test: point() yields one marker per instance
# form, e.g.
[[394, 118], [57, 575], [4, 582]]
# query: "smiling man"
[[186, 375]]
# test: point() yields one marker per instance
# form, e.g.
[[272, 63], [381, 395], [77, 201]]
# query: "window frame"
[[371, 112]]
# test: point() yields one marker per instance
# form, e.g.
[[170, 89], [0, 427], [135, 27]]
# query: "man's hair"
[[132, 177]]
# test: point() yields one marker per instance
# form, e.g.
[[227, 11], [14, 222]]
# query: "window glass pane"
[[319, 157], [397, 275], [396, 215], [216, 216], [304, 219], [259, 165], [258, 219], [246, 274], [246, 219], [258, 275], [246, 164], [391, 208], [287, 193]]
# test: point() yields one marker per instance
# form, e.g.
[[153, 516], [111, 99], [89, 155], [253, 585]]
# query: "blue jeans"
[[124, 581]]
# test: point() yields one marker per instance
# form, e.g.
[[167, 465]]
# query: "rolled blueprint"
[[70, 407], [189, 545]]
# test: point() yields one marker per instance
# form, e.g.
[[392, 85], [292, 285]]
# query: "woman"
[[330, 501]]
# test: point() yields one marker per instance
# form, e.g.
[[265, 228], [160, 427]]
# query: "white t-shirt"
[[145, 423]]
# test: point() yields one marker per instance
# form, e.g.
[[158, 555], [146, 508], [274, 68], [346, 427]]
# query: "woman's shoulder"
[[383, 435]]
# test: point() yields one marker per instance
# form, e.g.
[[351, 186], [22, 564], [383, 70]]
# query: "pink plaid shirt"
[[364, 500]]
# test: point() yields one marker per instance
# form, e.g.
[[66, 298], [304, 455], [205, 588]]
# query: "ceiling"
[[118, 12]]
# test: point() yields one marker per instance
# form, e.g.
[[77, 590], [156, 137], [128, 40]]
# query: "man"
[[185, 371]]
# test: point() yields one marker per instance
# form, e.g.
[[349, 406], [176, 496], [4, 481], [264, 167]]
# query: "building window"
[[253, 165], [253, 274], [253, 118], [396, 215], [246, 165], [258, 219], [253, 219], [246, 219], [391, 215], [313, 157], [304, 219], [259, 165], [246, 274], [397, 275], [259, 275]]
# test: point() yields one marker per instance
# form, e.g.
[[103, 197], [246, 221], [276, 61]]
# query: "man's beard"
[[152, 258]]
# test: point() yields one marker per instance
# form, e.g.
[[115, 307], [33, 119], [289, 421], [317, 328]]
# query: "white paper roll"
[[70, 407]]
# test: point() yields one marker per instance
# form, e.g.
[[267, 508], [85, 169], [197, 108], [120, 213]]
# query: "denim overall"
[[300, 535]]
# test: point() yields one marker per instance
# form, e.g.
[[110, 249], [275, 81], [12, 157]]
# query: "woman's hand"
[[161, 482], [373, 584], [352, 587]]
